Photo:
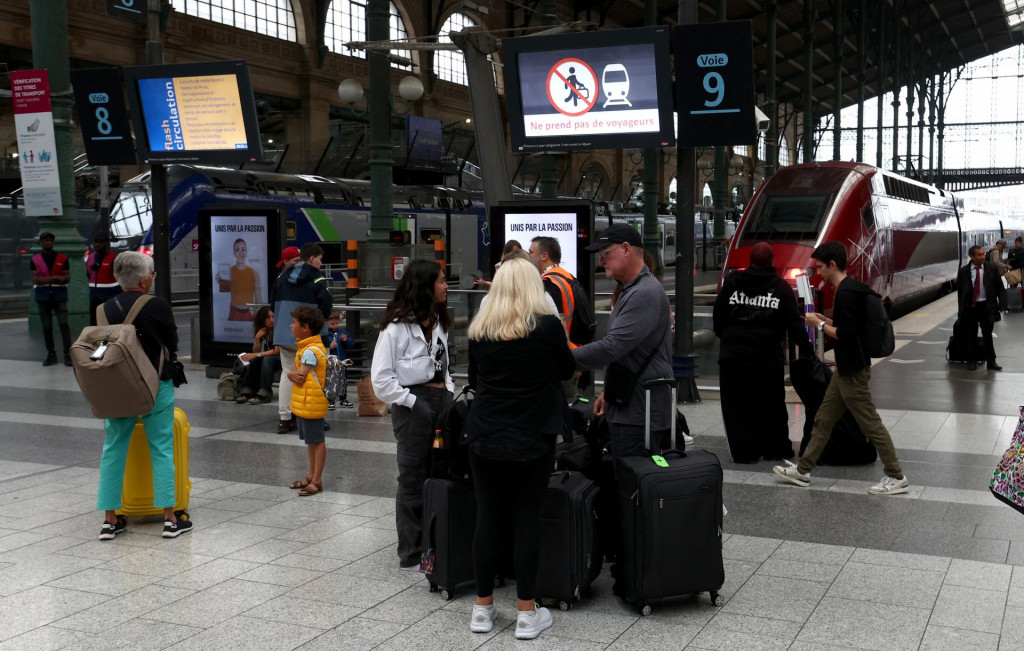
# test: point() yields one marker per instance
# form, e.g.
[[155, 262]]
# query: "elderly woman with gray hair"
[[154, 324]]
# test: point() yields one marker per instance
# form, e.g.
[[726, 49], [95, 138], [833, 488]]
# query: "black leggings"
[[508, 493]]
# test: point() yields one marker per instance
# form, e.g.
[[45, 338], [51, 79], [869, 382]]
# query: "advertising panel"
[[238, 249], [594, 90], [571, 222], [37, 148]]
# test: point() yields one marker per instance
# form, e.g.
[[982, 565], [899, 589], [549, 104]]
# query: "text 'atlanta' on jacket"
[[403, 358]]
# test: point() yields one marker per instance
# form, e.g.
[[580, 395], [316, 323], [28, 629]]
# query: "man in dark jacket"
[[753, 314], [296, 285], [981, 296], [850, 384]]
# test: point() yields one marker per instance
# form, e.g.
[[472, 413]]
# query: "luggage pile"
[[659, 518]]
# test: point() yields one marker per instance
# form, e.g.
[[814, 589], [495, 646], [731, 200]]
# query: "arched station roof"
[[933, 36]]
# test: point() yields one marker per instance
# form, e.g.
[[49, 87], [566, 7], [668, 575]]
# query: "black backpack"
[[584, 322], [878, 338]]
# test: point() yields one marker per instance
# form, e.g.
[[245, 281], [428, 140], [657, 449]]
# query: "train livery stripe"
[[321, 224]]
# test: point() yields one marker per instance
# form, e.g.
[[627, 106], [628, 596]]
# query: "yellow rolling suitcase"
[[137, 494]]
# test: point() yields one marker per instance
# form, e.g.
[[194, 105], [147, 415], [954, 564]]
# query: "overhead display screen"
[[197, 112], [594, 90]]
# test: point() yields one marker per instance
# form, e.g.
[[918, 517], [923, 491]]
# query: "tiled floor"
[[827, 568]]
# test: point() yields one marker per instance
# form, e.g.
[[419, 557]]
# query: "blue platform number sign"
[[106, 130], [715, 84]]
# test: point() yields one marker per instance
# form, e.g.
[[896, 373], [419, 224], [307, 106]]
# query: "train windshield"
[[788, 217], [131, 216]]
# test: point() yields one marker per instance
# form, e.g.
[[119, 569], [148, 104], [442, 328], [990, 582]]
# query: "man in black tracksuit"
[[850, 384], [752, 316]]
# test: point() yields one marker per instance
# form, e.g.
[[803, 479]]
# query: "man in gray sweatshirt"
[[638, 340]]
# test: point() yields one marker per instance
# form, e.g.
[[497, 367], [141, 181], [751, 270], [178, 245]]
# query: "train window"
[[670, 238], [429, 235], [868, 216], [290, 230], [789, 216], [334, 252]]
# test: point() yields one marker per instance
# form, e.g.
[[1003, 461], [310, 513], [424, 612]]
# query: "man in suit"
[[981, 296]]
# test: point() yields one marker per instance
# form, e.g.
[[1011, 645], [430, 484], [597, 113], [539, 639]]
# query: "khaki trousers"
[[851, 392]]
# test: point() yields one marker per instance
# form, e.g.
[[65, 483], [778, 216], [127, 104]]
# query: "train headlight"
[[793, 272], [145, 250]]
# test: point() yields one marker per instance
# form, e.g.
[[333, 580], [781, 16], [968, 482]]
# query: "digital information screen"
[[569, 222], [197, 112], [594, 90], [238, 249]]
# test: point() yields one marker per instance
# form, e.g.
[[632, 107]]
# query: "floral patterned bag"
[[1008, 480]]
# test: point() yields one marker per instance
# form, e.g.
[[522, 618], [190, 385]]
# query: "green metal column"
[[771, 145], [837, 103], [379, 106], [880, 56], [897, 73], [721, 188], [808, 135], [862, 58], [651, 160], [549, 162], [50, 52]]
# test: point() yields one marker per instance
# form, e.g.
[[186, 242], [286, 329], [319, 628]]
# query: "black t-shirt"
[[154, 324]]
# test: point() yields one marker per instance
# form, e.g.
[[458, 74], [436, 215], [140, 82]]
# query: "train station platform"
[[832, 567]]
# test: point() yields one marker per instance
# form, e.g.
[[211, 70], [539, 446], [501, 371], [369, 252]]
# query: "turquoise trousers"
[[159, 425]]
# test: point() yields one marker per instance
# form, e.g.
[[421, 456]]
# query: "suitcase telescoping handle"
[[654, 384]]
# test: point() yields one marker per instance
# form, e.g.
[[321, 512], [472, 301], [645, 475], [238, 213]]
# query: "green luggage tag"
[[660, 461]]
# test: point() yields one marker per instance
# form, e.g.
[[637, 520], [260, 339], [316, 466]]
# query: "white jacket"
[[402, 359]]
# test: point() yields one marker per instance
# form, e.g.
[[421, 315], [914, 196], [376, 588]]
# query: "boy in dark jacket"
[[850, 384], [753, 314]]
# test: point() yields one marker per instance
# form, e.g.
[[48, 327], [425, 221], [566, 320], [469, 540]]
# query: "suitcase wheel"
[[645, 610], [447, 596], [717, 599], [433, 587], [564, 605]]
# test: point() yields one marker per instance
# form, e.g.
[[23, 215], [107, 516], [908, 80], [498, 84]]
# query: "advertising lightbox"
[[194, 113], [571, 222], [608, 89], [238, 250]]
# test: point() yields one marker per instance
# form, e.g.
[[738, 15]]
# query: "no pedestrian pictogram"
[[572, 87]]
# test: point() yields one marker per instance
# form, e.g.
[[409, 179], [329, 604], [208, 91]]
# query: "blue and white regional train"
[[318, 209]]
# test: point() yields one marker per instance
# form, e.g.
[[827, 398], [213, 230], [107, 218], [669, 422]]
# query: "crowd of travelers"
[[532, 312]]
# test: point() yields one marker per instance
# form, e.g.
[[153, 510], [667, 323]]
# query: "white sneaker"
[[890, 486], [530, 623], [483, 618], [792, 475], [688, 440]]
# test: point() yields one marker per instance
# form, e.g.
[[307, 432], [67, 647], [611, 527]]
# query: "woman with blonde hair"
[[518, 355]]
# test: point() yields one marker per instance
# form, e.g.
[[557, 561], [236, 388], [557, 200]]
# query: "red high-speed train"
[[905, 239]]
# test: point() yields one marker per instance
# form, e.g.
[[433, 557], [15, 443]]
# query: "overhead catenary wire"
[[415, 42]]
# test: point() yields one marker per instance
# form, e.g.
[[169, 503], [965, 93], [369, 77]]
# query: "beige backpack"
[[112, 369]]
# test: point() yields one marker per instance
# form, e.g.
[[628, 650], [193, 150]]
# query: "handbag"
[[619, 381], [1007, 483]]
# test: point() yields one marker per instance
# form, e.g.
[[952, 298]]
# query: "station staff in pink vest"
[[99, 267], [50, 278]]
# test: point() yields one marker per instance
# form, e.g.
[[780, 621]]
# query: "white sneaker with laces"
[[530, 623], [482, 620], [792, 475], [890, 486]]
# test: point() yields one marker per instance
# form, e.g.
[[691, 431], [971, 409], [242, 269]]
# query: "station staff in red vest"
[[99, 267], [50, 278]]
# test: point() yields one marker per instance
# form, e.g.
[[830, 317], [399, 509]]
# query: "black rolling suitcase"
[[956, 350], [671, 520], [847, 446], [569, 558], [449, 522]]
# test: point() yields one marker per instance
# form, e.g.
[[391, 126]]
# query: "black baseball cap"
[[617, 234], [46, 235]]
